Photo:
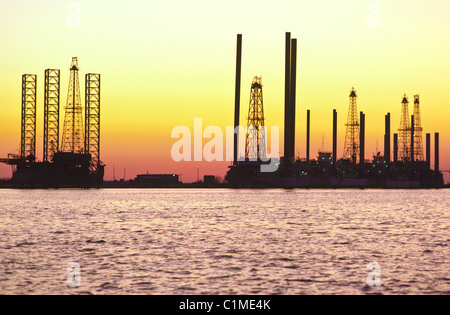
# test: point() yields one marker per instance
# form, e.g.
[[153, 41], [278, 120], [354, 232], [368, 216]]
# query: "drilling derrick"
[[92, 110], [72, 140], [405, 132], [28, 136], [351, 149], [418, 131], [51, 113], [255, 146]]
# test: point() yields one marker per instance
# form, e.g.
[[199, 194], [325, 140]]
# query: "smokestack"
[[413, 129], [436, 154], [293, 96], [287, 95], [308, 134], [362, 156], [387, 139], [395, 147], [237, 101], [334, 137], [428, 157]]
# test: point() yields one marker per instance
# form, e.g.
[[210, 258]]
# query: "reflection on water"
[[224, 241]]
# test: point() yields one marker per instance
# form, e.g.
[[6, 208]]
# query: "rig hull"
[[312, 175], [67, 170]]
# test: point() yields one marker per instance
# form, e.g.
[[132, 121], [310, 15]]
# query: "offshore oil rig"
[[76, 161], [407, 167]]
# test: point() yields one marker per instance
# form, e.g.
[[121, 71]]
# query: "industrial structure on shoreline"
[[73, 160], [76, 161], [409, 168]]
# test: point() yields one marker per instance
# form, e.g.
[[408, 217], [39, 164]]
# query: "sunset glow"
[[165, 63]]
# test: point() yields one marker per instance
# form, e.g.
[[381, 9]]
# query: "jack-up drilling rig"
[[76, 163]]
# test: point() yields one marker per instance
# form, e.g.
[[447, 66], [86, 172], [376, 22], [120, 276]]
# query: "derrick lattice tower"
[[28, 137], [352, 146], [418, 131], [255, 146], [73, 132], [92, 120], [51, 113], [405, 132]]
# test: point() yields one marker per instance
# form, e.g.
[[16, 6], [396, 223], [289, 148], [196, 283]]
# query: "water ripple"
[[224, 241]]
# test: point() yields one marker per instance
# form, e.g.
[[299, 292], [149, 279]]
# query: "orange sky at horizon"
[[165, 64]]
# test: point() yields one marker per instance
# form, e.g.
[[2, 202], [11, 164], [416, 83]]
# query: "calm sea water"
[[224, 241]]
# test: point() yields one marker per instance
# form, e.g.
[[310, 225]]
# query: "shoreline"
[[216, 186]]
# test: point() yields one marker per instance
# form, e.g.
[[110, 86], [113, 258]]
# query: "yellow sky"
[[164, 63]]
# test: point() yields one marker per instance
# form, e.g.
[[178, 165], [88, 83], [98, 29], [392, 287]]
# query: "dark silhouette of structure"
[[159, 180], [412, 136], [92, 119], [387, 139], [51, 113], [237, 101], [28, 136], [362, 141], [77, 162], [405, 132], [290, 98], [308, 134], [405, 171], [428, 148], [335, 130], [436, 155], [418, 131]]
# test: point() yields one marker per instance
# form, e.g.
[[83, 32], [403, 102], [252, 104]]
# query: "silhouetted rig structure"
[[409, 168], [76, 163]]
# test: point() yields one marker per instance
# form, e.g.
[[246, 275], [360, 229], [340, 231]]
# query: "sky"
[[165, 63]]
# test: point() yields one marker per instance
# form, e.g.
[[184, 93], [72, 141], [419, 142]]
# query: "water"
[[224, 241]]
